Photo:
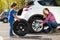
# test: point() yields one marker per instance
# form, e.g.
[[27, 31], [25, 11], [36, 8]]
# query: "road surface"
[[4, 33]]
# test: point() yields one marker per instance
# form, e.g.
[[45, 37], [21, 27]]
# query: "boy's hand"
[[18, 19]]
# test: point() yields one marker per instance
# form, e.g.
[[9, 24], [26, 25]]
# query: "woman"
[[49, 20], [12, 15]]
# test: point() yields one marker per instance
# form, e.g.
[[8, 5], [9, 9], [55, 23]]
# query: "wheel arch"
[[36, 15], [31, 18]]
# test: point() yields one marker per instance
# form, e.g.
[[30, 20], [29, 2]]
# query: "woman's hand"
[[41, 22]]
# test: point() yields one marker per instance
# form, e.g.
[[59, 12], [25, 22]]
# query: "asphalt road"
[[4, 33]]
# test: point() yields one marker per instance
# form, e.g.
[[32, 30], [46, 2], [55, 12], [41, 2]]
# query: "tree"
[[20, 3], [3, 5]]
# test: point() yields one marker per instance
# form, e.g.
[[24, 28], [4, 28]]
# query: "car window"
[[41, 3], [5, 13], [48, 3]]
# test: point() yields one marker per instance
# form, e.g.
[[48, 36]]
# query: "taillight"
[[26, 8]]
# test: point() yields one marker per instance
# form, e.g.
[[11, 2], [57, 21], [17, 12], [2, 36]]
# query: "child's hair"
[[13, 5]]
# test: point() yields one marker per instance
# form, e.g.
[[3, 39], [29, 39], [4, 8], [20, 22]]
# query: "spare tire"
[[21, 27]]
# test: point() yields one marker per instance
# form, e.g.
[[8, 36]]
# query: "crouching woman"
[[49, 20]]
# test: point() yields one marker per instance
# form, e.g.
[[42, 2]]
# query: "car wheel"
[[35, 24], [5, 20], [21, 27]]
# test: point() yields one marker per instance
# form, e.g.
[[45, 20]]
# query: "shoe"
[[54, 30], [12, 36], [51, 32], [46, 31]]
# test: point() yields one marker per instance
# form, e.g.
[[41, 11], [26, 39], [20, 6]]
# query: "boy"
[[12, 15]]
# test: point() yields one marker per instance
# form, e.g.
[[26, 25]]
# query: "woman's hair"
[[13, 5], [46, 9]]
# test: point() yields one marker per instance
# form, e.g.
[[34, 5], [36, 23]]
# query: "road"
[[4, 33]]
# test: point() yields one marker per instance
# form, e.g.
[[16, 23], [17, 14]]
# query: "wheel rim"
[[5, 20], [37, 26], [20, 28]]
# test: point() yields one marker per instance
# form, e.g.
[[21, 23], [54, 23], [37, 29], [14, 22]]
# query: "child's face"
[[46, 12], [15, 7]]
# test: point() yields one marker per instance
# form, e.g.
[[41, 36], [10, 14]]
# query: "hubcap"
[[37, 26], [5, 20], [21, 27]]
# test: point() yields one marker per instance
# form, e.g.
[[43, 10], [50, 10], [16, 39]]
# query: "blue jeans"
[[52, 25], [11, 28]]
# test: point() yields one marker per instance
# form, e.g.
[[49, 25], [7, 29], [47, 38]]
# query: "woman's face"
[[46, 12]]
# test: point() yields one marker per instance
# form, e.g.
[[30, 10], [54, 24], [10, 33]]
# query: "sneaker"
[[48, 31], [51, 32], [54, 30], [45, 32], [12, 36]]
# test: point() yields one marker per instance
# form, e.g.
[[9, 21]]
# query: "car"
[[4, 16], [32, 16]]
